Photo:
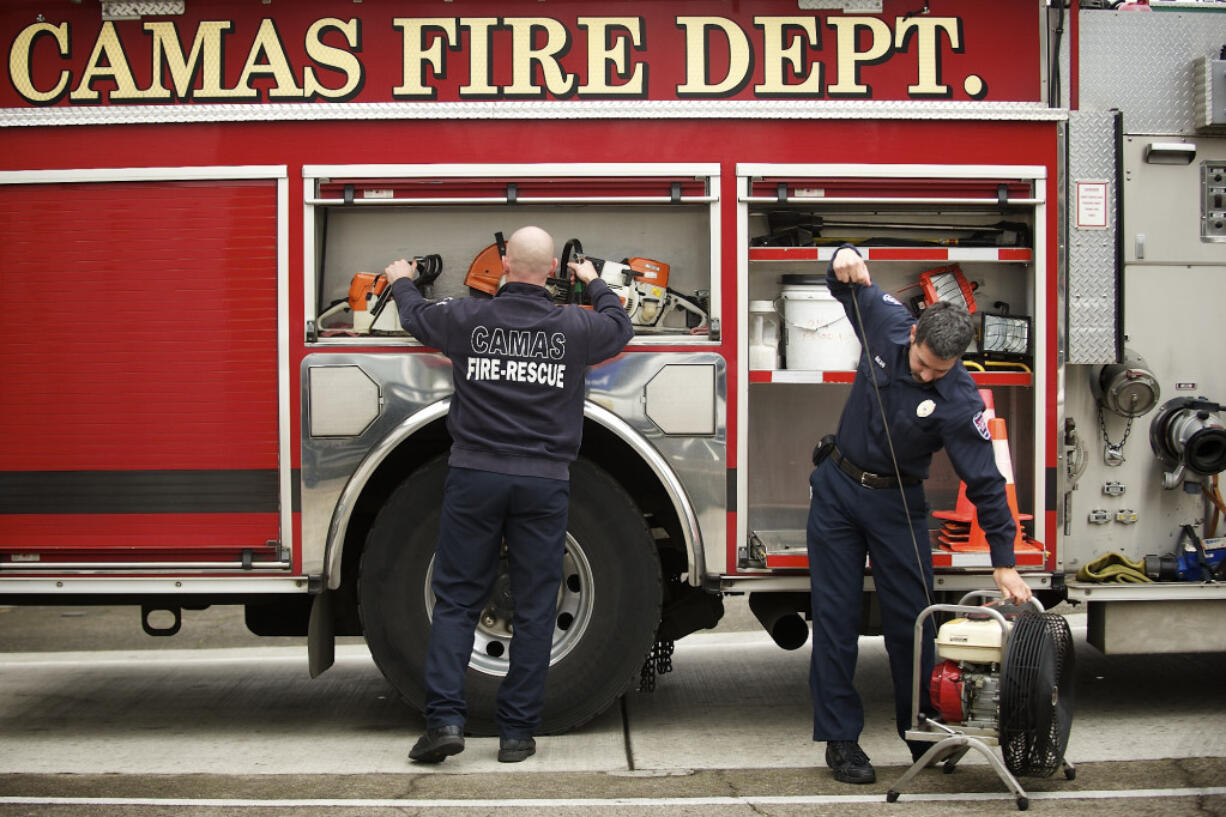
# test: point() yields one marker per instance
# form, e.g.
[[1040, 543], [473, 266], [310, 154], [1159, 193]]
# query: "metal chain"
[[1113, 453], [659, 660], [664, 656], [647, 675]]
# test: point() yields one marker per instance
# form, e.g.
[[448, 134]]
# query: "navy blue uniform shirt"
[[923, 417], [519, 362]]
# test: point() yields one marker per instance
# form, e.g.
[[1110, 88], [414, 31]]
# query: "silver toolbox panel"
[[1165, 204]]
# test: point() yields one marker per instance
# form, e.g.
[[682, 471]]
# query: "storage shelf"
[[799, 376], [941, 558], [787, 550], [811, 376], [945, 254]]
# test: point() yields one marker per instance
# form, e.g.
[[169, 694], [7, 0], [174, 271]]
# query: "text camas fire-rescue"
[[538, 346]]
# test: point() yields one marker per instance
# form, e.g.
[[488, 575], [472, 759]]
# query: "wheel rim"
[[573, 613]]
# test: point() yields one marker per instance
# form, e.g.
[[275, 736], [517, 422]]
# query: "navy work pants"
[[480, 510], [846, 521]]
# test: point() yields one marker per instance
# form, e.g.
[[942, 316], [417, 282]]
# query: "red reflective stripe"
[[906, 254]]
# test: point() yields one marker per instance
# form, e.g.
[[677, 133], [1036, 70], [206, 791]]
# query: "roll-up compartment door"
[[139, 371]]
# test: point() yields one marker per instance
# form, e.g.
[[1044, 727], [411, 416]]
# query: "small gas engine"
[[965, 688]]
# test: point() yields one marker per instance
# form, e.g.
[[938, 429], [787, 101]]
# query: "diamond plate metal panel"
[[1092, 296], [1210, 88], [857, 6], [589, 109], [1144, 65], [135, 9]]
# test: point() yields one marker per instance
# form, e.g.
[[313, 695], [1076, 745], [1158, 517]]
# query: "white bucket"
[[763, 335], [819, 335]]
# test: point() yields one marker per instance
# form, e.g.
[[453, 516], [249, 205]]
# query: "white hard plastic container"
[[763, 335], [818, 334]]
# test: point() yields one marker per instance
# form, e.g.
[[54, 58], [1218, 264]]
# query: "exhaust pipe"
[[780, 616]]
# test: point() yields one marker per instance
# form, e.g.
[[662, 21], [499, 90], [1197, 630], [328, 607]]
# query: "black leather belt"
[[867, 478]]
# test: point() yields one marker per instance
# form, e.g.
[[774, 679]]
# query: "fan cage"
[[1037, 694]]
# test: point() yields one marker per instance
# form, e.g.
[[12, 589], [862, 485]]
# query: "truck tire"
[[608, 603]]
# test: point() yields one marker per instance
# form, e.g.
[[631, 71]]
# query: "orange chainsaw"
[[640, 283], [367, 301]]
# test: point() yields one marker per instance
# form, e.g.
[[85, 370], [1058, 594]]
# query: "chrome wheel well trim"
[[668, 478], [334, 548], [339, 526]]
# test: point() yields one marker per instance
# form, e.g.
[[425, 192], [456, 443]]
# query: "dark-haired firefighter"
[[929, 402]]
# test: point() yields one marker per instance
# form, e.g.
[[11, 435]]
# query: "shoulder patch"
[[981, 425], [890, 299]]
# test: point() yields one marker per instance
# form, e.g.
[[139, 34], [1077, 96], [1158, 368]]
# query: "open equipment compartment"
[[361, 218], [906, 220]]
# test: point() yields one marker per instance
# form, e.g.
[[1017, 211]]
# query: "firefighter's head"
[[938, 339], [529, 257]]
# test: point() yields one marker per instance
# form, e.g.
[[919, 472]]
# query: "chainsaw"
[[642, 286], [640, 283], [366, 303]]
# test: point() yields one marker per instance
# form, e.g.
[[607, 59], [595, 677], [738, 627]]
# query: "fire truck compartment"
[[374, 215], [971, 230], [148, 408]]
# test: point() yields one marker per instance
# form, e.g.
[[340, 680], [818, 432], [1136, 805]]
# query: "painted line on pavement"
[[643, 802], [264, 654]]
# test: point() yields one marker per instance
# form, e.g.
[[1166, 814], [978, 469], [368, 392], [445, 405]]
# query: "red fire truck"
[[209, 405]]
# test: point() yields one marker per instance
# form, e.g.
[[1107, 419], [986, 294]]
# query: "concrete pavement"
[[734, 701]]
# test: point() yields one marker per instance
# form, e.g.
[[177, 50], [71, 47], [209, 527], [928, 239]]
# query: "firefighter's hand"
[[849, 267], [400, 269], [583, 270], [1011, 584]]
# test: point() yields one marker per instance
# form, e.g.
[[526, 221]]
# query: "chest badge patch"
[[981, 425], [925, 408]]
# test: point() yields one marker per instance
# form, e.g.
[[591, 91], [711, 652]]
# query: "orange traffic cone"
[[964, 509], [1000, 447], [968, 536]]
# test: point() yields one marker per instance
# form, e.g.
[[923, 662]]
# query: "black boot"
[[437, 744], [849, 762], [513, 750]]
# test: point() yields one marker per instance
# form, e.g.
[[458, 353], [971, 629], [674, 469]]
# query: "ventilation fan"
[[1036, 694], [1007, 681]]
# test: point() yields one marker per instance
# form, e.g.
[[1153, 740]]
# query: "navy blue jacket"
[[923, 417], [519, 363]]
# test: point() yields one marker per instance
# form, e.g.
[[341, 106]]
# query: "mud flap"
[[321, 635]]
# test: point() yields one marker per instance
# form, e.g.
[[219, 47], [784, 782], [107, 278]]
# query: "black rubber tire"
[[604, 658]]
